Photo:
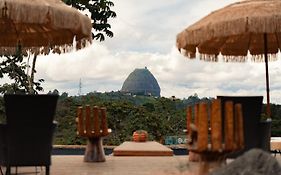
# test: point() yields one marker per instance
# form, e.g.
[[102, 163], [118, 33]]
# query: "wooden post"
[[79, 120], [96, 122], [192, 156], [88, 121], [104, 127], [228, 127], [196, 113], [202, 126], [268, 112], [188, 119], [94, 151], [240, 127], [216, 126]]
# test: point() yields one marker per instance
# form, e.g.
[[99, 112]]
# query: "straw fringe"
[[42, 25], [210, 58], [45, 50], [238, 18], [240, 59], [260, 58], [235, 30], [188, 54]]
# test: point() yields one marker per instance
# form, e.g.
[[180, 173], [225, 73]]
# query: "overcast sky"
[[145, 35]]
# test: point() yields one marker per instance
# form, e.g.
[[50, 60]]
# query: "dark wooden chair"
[[26, 138], [92, 124], [252, 106]]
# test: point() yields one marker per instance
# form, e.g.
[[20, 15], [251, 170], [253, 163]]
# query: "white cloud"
[[145, 33], [104, 70]]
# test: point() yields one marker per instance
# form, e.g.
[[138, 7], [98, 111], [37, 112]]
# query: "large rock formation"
[[253, 162], [141, 82]]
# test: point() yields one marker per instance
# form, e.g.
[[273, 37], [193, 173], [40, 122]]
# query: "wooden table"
[[275, 145]]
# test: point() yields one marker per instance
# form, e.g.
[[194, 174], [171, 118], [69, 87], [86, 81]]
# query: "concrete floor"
[[119, 165], [114, 165]]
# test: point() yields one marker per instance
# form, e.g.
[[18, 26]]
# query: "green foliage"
[[160, 117], [100, 14], [276, 119], [125, 114], [14, 67]]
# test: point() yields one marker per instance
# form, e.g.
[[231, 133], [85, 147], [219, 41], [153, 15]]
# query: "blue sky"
[[145, 35]]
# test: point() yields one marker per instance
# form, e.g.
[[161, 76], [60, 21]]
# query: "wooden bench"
[[211, 136], [92, 124]]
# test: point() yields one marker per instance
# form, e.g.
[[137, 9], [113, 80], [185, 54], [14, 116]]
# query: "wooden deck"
[[120, 165]]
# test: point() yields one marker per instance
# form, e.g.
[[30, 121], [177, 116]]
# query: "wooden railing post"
[[104, 122], [79, 120], [229, 126], [88, 121], [202, 127], [239, 126], [216, 126], [188, 118], [96, 122]]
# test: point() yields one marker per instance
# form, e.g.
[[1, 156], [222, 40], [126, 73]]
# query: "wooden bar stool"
[[213, 137], [92, 124]]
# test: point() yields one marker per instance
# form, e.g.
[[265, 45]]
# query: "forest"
[[125, 114], [160, 116]]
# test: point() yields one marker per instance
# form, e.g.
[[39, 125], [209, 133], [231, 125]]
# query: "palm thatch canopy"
[[235, 30], [41, 25]]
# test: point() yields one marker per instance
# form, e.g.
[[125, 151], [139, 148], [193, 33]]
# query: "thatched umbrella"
[[251, 25], [41, 26]]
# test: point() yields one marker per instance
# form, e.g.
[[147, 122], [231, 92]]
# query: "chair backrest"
[[30, 109], [252, 106], [209, 134], [30, 128], [91, 122]]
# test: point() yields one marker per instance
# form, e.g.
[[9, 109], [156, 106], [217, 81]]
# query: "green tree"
[[100, 14], [14, 68], [64, 95]]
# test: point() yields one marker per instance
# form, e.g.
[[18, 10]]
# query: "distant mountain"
[[141, 82]]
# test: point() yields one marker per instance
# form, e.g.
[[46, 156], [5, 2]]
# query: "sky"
[[145, 36]]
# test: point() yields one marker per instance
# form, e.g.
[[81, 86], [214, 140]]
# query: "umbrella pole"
[[31, 79], [267, 77]]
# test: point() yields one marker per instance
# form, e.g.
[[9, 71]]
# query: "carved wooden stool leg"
[[193, 157], [211, 162], [94, 151]]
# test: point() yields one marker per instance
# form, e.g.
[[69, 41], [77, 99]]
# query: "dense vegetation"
[[159, 116]]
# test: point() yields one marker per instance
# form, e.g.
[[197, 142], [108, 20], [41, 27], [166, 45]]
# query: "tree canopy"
[[100, 14], [16, 68]]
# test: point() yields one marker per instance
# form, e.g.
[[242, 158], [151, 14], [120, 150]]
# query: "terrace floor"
[[120, 165]]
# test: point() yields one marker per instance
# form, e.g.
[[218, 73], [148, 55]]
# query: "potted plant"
[[140, 136]]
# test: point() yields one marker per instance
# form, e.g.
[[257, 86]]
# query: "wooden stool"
[[92, 124], [211, 136]]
